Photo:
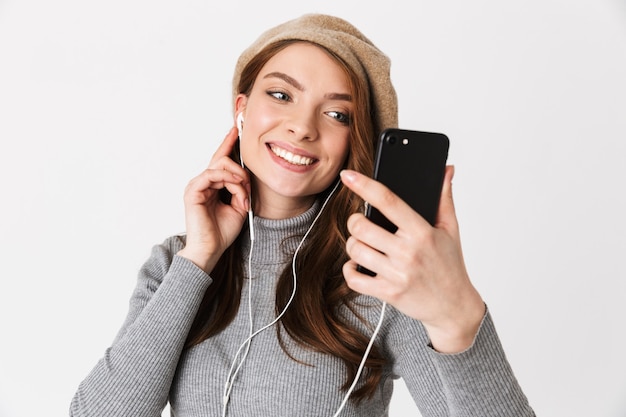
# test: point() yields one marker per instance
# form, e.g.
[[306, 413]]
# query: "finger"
[[362, 283], [227, 145], [210, 176], [227, 164], [381, 197], [369, 234], [216, 179], [239, 200], [365, 255]]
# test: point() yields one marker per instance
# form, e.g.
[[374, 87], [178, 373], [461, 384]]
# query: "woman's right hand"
[[211, 225]]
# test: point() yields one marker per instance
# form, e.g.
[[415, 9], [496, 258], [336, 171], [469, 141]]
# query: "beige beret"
[[342, 38]]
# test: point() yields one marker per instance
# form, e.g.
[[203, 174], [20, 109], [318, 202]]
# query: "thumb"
[[446, 215]]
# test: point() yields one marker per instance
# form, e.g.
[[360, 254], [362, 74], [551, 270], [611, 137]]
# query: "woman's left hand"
[[420, 269]]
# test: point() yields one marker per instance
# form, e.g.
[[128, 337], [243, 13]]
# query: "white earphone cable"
[[231, 376], [248, 341], [362, 365]]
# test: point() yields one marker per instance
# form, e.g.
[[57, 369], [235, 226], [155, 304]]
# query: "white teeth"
[[291, 158]]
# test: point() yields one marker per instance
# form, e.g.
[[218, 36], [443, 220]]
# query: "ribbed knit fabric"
[[146, 365]]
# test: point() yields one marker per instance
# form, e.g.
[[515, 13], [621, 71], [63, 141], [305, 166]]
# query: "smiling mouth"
[[290, 157]]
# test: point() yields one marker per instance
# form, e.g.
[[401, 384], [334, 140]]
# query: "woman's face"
[[296, 128]]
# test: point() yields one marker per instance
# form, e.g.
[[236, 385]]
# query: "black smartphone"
[[412, 164]]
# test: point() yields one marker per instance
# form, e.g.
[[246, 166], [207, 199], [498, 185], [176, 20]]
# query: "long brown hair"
[[314, 319]]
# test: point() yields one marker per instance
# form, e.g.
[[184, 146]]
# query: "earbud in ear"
[[240, 123], [239, 129], [250, 214]]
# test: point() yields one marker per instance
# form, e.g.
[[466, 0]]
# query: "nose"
[[302, 125]]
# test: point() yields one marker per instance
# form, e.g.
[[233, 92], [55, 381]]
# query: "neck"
[[280, 207]]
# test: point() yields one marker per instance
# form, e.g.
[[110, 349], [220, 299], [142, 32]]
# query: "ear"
[[240, 105]]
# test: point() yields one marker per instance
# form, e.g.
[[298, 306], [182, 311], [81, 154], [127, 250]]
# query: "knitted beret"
[[342, 38]]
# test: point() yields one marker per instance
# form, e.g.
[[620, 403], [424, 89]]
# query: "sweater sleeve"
[[476, 382], [133, 377]]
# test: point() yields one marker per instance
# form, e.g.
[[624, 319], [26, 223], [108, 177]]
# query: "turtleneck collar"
[[275, 241]]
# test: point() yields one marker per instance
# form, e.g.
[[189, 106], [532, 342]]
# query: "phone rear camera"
[[391, 140]]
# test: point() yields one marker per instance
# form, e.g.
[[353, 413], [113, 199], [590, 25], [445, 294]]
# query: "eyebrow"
[[285, 78], [297, 85]]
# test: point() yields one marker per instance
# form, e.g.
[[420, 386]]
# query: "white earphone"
[[240, 123], [239, 130], [236, 366]]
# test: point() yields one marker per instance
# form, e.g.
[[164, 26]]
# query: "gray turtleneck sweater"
[[146, 366]]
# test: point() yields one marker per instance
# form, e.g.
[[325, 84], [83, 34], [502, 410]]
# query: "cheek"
[[337, 156], [341, 150]]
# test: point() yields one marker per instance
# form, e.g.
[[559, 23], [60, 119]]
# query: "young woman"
[[259, 308]]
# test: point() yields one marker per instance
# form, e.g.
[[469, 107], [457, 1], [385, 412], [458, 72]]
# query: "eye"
[[339, 116], [279, 95]]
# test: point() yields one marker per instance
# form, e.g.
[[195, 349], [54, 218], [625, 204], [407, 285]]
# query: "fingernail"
[[347, 175]]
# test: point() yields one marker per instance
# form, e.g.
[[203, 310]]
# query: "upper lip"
[[293, 149]]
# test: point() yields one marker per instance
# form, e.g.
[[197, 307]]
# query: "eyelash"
[[337, 115], [276, 94], [340, 117]]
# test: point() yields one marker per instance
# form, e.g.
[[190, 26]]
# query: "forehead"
[[304, 60]]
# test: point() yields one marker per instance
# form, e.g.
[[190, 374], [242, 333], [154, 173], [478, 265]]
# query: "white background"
[[107, 109]]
